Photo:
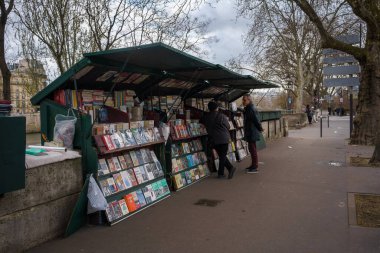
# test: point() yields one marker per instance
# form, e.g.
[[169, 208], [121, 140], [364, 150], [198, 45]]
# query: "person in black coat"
[[252, 129], [217, 127]]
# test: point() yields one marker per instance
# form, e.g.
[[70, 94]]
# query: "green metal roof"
[[158, 64]]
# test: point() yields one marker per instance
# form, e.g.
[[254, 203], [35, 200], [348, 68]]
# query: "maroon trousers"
[[252, 149]]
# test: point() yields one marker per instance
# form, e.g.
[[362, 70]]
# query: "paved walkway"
[[297, 203]]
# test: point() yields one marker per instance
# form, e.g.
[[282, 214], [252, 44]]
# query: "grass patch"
[[367, 210]]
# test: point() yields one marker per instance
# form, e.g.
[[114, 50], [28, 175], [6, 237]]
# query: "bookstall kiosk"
[[113, 80]]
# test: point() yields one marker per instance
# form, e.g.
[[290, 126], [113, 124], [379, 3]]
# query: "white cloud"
[[227, 27]]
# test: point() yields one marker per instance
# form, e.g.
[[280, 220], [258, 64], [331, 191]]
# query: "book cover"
[[102, 167], [141, 198], [109, 212], [149, 171], [126, 179], [134, 158], [188, 177], [157, 134], [116, 163], [130, 202], [120, 139], [197, 173], [175, 150], [129, 139], [119, 182], [190, 161], [177, 181], [139, 157], [136, 200], [128, 160], [144, 174], [139, 175], [192, 174], [132, 177], [123, 163], [147, 194], [149, 154], [117, 209], [111, 185], [144, 154], [104, 186], [154, 157], [137, 136], [164, 186], [107, 142], [115, 141], [147, 135], [123, 207], [174, 165], [156, 190], [111, 165]]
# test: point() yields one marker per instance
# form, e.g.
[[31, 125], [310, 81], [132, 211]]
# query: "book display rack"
[[186, 155], [130, 175], [241, 145]]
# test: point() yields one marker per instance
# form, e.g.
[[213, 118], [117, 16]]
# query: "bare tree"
[[284, 45], [368, 118], [59, 25], [5, 72]]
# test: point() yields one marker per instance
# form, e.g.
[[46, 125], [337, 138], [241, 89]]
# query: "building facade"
[[28, 77]]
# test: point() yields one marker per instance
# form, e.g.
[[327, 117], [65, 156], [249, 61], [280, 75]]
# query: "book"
[[177, 181], [164, 186], [149, 171], [144, 174], [174, 165], [111, 165], [116, 163], [123, 207], [156, 190], [128, 160], [132, 177], [137, 136], [129, 200], [102, 167], [126, 179], [111, 185], [117, 209], [123, 163], [144, 154], [188, 177], [139, 157], [118, 179], [129, 139], [107, 142], [141, 198], [104, 186], [175, 150], [148, 194], [136, 200], [134, 158], [109, 212], [115, 141]]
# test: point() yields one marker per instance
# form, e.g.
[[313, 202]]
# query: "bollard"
[[328, 121], [321, 126]]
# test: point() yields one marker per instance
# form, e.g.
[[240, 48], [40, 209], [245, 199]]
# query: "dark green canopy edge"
[[159, 61]]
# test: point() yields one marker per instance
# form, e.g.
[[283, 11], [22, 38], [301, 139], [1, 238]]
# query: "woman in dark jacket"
[[252, 129], [219, 136]]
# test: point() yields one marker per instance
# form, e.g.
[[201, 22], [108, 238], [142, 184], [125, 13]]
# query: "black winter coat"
[[217, 127], [252, 125]]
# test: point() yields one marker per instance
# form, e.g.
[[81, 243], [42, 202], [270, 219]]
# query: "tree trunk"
[[6, 74], [366, 127]]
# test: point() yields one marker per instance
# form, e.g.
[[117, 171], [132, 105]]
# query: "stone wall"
[[41, 211], [296, 120], [33, 124]]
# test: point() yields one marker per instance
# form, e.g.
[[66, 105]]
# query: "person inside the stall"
[[217, 127], [252, 129]]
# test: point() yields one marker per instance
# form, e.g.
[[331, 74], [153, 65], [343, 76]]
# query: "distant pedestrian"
[[309, 113], [252, 129], [217, 127]]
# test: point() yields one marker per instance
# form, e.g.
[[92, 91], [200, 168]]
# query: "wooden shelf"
[[139, 210], [183, 187], [192, 167], [117, 195], [103, 150]]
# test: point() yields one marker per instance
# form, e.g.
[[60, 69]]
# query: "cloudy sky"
[[227, 28]]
